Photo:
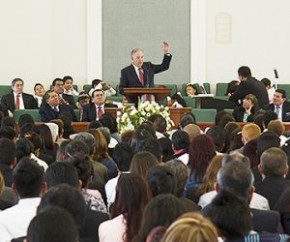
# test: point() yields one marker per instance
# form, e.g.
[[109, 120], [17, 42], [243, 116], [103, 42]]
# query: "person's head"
[[273, 162], [8, 132], [279, 97], [66, 197], [39, 90], [191, 227], [96, 82], [24, 148], [98, 97], [122, 155], [95, 124], [180, 171], [8, 152], [192, 130], [267, 140], [61, 172], [250, 132], [67, 82], [28, 179], [25, 118], [45, 133], [230, 214], [266, 82], [131, 198], [17, 85], [141, 162], [137, 57], [244, 73], [237, 178], [51, 98], [162, 210], [37, 142], [232, 87], [75, 146], [199, 156], [191, 90], [277, 127], [57, 85], [249, 101], [176, 97], [61, 151], [84, 167], [8, 122], [180, 140], [100, 144], [84, 98], [63, 228], [187, 118], [159, 122], [218, 136], [89, 141], [108, 121], [236, 157], [161, 180], [152, 146]]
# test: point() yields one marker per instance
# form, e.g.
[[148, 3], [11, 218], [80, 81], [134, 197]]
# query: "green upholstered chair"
[[190, 102], [285, 87], [87, 87], [33, 112], [204, 115], [5, 89], [221, 88], [115, 98]]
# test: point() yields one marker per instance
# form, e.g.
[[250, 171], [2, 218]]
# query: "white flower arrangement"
[[131, 117]]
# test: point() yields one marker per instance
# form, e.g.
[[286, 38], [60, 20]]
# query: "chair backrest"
[[286, 88], [33, 112], [5, 89], [173, 87], [221, 88], [190, 102], [76, 87], [115, 98], [87, 87], [204, 115]]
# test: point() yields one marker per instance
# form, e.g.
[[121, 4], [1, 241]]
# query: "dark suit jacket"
[[272, 188], [90, 112], [251, 86], [268, 221], [47, 113], [129, 76], [285, 110], [70, 100], [239, 111], [7, 102]]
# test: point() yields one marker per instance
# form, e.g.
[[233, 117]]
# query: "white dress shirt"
[[21, 103], [14, 221]]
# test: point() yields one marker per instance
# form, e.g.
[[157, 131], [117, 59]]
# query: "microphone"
[[276, 73]]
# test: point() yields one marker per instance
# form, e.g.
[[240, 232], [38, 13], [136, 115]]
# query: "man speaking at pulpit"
[[141, 74]]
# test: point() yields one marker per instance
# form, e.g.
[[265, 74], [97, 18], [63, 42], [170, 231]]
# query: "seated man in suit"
[[57, 86], [17, 99], [94, 110], [51, 107], [280, 105], [140, 73]]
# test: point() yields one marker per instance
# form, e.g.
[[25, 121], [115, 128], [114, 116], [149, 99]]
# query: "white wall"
[[41, 40], [259, 38]]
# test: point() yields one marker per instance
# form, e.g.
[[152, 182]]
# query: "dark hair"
[[230, 214], [267, 140], [56, 80], [36, 141], [95, 124], [61, 172], [232, 87], [61, 151], [269, 115], [159, 122], [281, 91], [25, 118], [180, 140], [108, 121], [122, 155], [28, 178], [67, 125], [161, 210], [16, 80], [89, 141], [250, 150], [8, 122], [8, 132], [187, 118], [63, 228], [131, 198], [201, 151], [95, 82], [244, 71], [161, 180], [37, 84], [266, 82], [218, 135], [7, 151], [179, 99], [46, 135], [65, 78], [152, 146], [84, 167], [23, 148], [66, 197]]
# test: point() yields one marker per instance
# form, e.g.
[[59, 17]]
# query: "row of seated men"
[[142, 180]]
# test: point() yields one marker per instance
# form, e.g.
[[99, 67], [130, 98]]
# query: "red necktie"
[[100, 112], [17, 103], [141, 76]]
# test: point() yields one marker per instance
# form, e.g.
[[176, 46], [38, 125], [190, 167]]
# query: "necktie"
[[17, 103], [55, 109], [141, 76], [100, 112], [278, 111]]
